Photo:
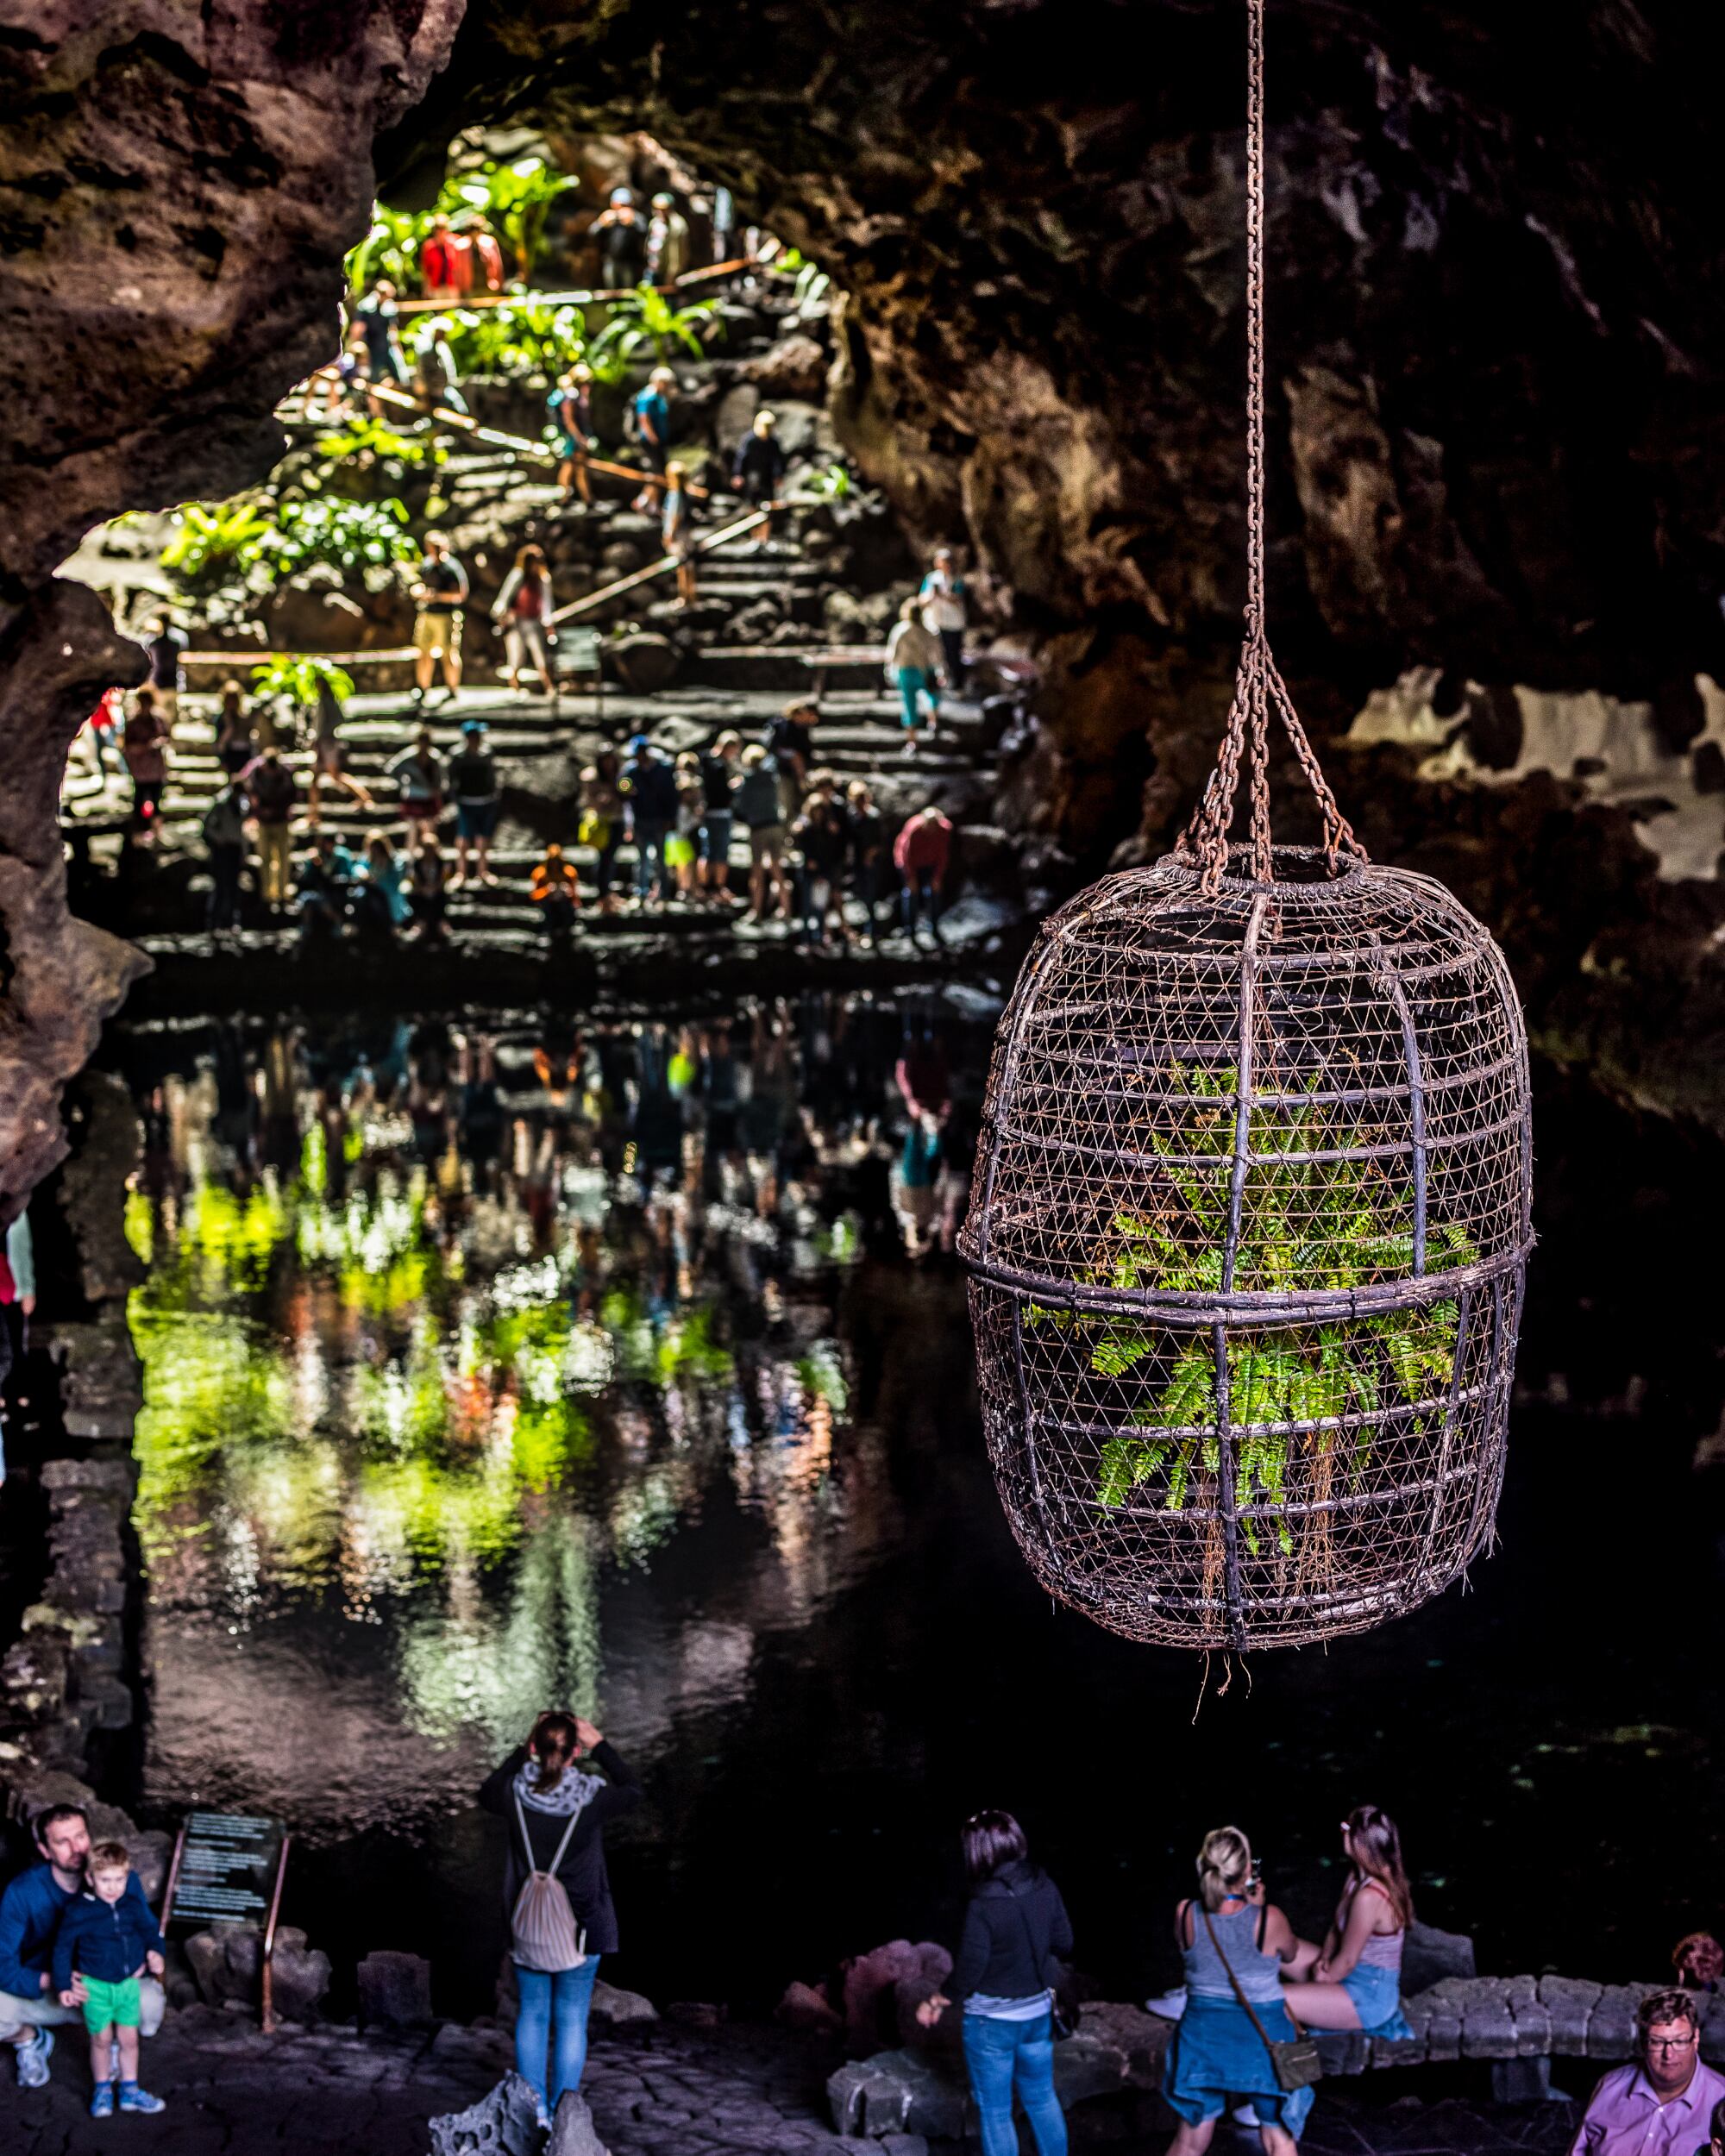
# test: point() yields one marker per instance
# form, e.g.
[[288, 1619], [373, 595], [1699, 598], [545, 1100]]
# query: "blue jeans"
[[1000, 2054], [911, 679], [921, 891], [649, 857], [568, 1996]]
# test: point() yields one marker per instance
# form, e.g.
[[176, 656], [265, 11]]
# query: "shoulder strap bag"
[[543, 1933], [1064, 2012], [1296, 2064]]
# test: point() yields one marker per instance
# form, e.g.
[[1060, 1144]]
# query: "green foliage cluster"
[[644, 321], [301, 678], [269, 544], [523, 337], [512, 198], [375, 441], [1329, 1224], [215, 540]]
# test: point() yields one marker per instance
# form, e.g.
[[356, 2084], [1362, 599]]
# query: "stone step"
[[788, 668], [521, 733]]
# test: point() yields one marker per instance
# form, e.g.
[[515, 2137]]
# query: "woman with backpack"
[[556, 1889], [1016, 1929]]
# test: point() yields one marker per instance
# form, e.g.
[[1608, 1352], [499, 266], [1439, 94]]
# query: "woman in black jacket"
[[544, 1795], [1015, 1929]]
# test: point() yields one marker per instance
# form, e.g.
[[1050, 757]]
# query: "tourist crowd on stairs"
[[769, 827], [436, 807]]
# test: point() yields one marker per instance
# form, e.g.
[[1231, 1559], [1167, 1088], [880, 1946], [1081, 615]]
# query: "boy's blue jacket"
[[106, 1940]]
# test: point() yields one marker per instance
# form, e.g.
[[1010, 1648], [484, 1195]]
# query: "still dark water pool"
[[496, 1366]]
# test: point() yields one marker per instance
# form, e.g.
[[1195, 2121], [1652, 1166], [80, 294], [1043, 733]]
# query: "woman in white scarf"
[[555, 1810]]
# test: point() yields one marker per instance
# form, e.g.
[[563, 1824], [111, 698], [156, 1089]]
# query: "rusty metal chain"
[[1259, 687]]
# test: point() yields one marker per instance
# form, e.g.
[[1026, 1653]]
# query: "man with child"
[[99, 1913]]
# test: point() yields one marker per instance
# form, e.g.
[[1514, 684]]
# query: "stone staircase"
[[154, 894]]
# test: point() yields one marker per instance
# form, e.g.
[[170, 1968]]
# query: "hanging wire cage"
[[1252, 1213], [1247, 1240]]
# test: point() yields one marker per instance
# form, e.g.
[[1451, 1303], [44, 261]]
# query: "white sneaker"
[[1246, 2117], [1168, 2006], [32, 2061]]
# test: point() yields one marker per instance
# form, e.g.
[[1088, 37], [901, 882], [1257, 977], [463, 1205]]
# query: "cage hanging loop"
[[1258, 686]]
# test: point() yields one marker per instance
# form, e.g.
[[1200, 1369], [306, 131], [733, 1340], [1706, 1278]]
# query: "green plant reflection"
[[388, 1385]]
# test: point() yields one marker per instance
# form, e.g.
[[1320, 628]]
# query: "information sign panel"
[[227, 1870]]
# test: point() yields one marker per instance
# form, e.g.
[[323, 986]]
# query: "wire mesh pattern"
[[1247, 1239]]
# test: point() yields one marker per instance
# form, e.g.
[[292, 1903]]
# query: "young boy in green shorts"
[[107, 1939]]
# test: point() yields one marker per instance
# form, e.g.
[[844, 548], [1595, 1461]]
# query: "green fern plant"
[[1312, 1223], [646, 317], [300, 678], [376, 442], [215, 540]]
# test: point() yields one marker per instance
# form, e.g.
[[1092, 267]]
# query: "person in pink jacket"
[[920, 853]]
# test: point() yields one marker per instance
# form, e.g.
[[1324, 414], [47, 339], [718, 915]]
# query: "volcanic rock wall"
[[178, 186], [1494, 306]]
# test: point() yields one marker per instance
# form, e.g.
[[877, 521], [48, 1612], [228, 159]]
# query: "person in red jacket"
[[920, 853], [446, 264]]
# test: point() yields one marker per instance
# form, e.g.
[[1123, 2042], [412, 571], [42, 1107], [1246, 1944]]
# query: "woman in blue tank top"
[[1354, 1980], [1234, 1943]]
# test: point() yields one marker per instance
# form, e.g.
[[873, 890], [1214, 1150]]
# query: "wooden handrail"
[[658, 568], [534, 298], [519, 443]]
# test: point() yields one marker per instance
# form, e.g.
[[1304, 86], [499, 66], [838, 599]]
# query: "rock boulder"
[[573, 2131], [612, 2008], [504, 2123], [1428, 1955], [395, 1991], [643, 661]]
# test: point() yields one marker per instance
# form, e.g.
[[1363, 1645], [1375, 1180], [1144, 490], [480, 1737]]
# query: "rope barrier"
[[1259, 687]]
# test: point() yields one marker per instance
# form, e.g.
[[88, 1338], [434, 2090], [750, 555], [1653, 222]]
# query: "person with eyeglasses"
[[1664, 2103], [1016, 1930]]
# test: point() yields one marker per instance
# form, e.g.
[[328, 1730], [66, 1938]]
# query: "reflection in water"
[[449, 1336], [592, 1362]]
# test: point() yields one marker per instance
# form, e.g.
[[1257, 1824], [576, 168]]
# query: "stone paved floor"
[[1448, 2128], [668, 2091], [231, 2091]]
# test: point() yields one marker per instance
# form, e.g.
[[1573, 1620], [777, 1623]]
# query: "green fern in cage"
[[1304, 1225]]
